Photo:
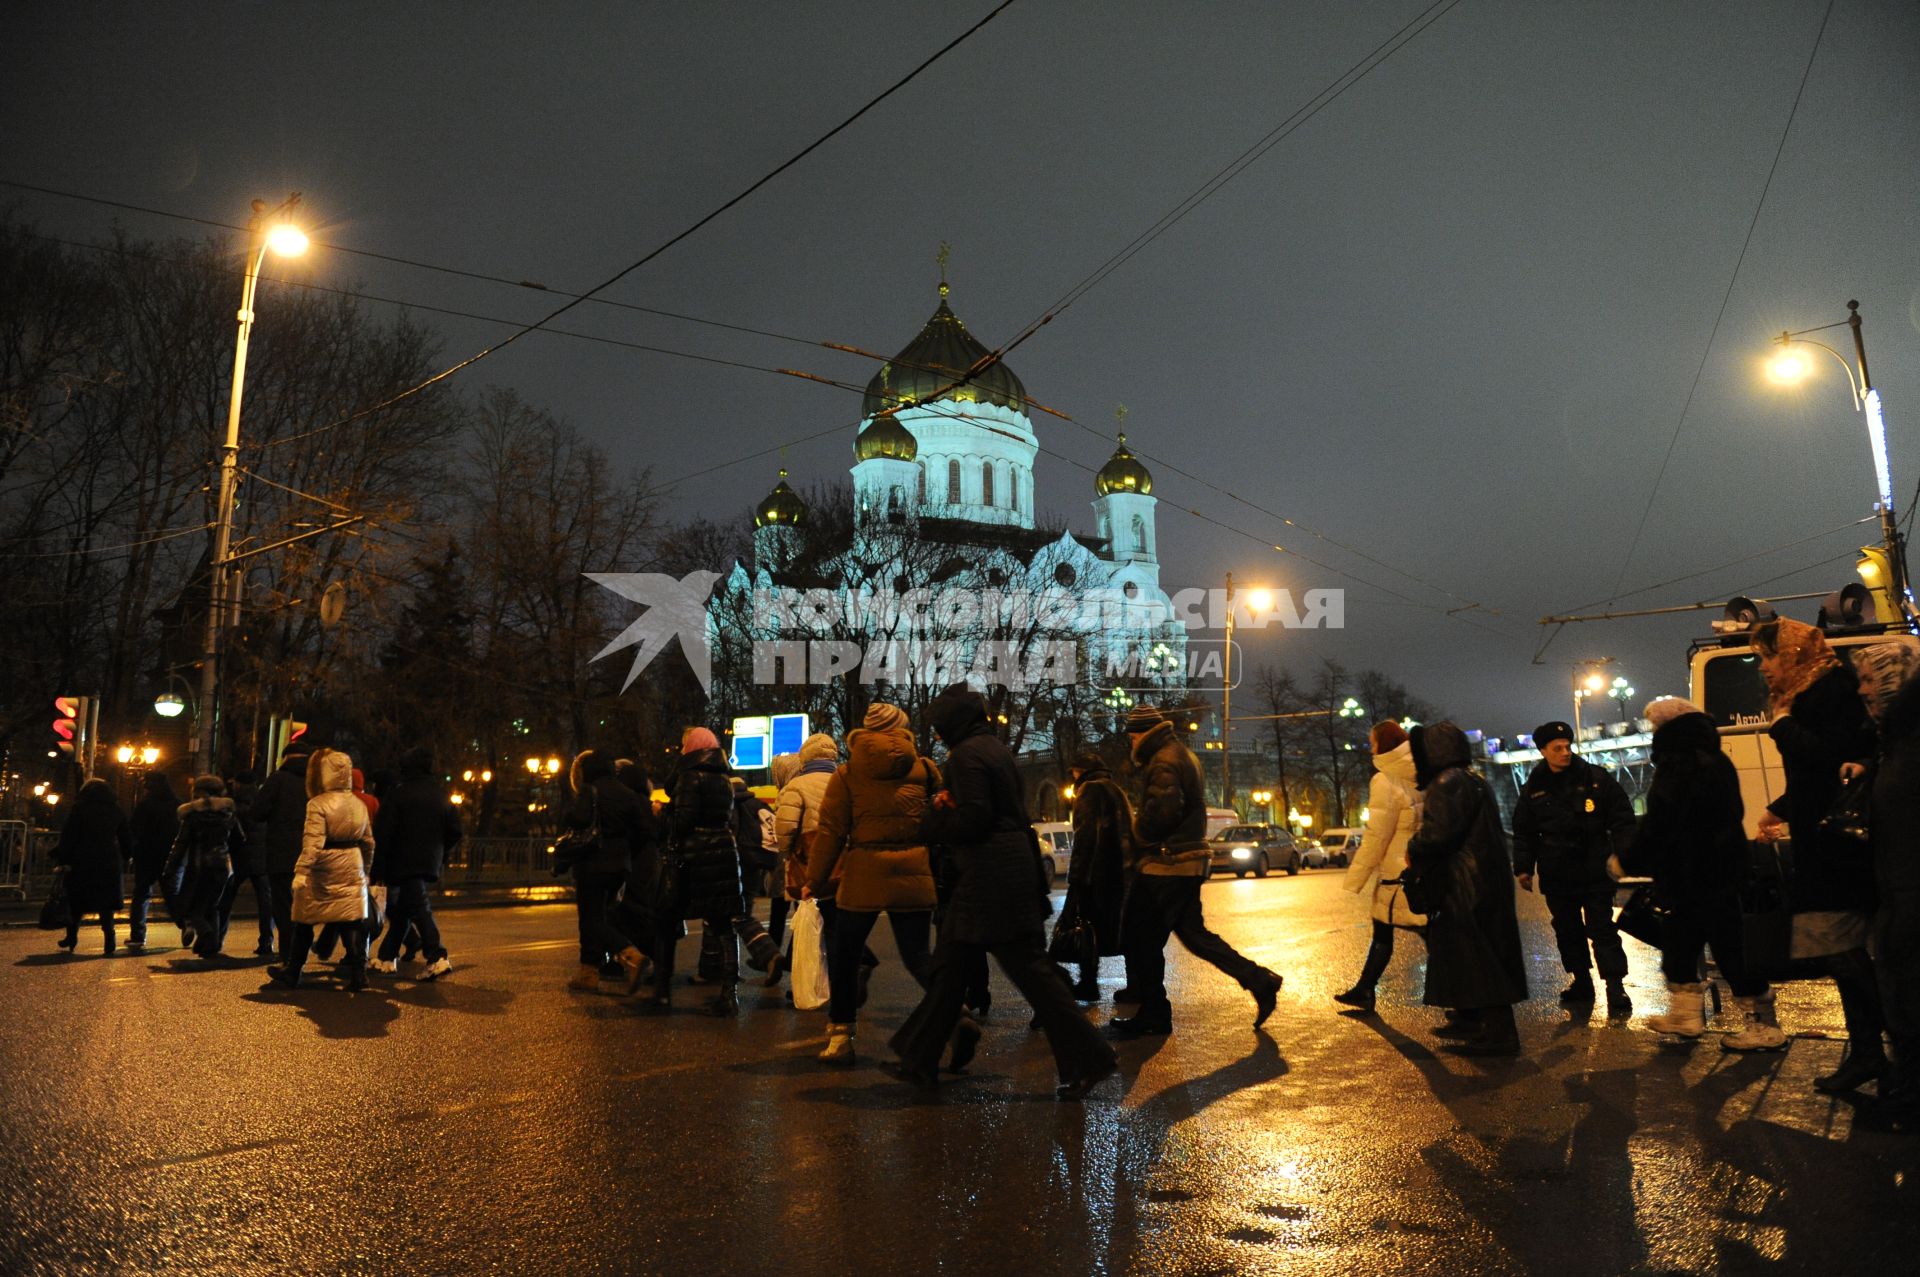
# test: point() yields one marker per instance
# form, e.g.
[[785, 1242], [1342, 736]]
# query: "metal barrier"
[[523, 861], [16, 844]]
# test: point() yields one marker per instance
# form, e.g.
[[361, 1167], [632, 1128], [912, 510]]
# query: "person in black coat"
[[998, 906], [244, 788], [1475, 965], [207, 827], [1825, 737], [279, 815], [1693, 844], [705, 863], [605, 811], [415, 829], [1097, 872], [1570, 818], [94, 845], [153, 824], [1890, 684]]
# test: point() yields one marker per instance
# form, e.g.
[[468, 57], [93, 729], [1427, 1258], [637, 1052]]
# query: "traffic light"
[[1877, 575], [69, 724]]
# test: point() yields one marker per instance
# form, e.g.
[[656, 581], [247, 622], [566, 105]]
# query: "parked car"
[[1056, 845], [1253, 849], [1340, 845]]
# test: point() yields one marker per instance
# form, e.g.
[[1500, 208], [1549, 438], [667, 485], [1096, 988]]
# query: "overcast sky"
[[1450, 323]]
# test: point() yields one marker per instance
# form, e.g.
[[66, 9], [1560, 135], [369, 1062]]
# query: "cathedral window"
[[953, 481], [986, 483], [1139, 534]]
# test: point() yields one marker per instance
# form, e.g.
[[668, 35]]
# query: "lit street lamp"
[[1586, 686], [286, 240], [1622, 692], [1259, 600], [1790, 366]]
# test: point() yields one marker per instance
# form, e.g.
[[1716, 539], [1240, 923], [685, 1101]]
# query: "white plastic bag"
[[809, 958]]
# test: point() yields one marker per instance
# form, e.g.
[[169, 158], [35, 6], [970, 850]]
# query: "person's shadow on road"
[[335, 1012]]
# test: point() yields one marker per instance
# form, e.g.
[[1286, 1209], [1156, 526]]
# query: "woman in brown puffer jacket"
[[868, 857]]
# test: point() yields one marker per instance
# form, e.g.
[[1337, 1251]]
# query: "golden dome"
[[1123, 473], [933, 361], [781, 506], [886, 437]]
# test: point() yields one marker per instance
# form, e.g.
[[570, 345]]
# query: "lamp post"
[[1790, 367], [1260, 599], [286, 240], [1590, 684], [1622, 692]]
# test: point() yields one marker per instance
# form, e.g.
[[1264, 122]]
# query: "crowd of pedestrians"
[[947, 852]]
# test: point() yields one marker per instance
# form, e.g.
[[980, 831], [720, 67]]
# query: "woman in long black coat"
[[602, 805], [706, 861], [1822, 730], [94, 846], [1459, 854]]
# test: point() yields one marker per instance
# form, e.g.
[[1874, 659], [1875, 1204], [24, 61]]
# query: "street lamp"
[[1259, 600], [1790, 366], [286, 240], [1622, 692], [1586, 685]]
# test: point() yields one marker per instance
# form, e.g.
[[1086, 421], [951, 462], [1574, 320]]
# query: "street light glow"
[[287, 240], [1789, 367], [169, 705], [1259, 600]]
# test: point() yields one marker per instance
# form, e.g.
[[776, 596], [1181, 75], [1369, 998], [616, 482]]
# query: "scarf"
[[1803, 656]]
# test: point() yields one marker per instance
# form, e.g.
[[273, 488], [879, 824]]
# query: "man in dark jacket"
[[279, 817], [153, 823], [1097, 873], [1172, 858], [997, 907], [244, 789], [207, 825], [411, 836], [1570, 818]]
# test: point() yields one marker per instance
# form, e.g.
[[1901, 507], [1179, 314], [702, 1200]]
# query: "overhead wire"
[[1725, 299]]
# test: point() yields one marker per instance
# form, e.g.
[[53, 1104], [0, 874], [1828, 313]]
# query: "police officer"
[[1571, 817]]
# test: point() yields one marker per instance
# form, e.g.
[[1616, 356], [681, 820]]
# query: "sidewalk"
[[26, 913]]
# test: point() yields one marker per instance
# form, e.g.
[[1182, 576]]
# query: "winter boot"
[[1619, 1005], [1266, 995], [1686, 1011], [1360, 996], [1579, 992], [1762, 1030], [966, 1043], [1460, 1026], [727, 1003], [1498, 1035], [839, 1047], [1861, 1065], [586, 979], [633, 966], [762, 951]]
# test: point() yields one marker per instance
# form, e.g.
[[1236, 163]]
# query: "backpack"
[[754, 837]]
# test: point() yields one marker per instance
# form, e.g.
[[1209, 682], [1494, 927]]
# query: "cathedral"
[[944, 504]]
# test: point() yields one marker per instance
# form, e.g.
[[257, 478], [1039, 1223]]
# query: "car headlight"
[[1243, 853]]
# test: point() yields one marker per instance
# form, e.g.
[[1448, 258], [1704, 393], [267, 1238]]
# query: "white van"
[[1218, 819], [1726, 683], [1056, 845]]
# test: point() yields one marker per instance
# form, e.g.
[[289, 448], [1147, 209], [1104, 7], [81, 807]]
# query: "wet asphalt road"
[[160, 1116]]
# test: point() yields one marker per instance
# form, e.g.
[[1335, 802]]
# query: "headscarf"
[[1884, 668], [1803, 657]]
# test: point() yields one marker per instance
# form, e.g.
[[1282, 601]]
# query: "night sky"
[[1450, 323]]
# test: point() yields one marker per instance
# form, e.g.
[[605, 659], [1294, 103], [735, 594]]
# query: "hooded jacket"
[[867, 853], [279, 815], [1393, 813], [1692, 841], [1170, 826], [703, 844], [336, 845], [625, 821], [207, 826], [796, 812], [1566, 825], [1473, 935], [998, 892]]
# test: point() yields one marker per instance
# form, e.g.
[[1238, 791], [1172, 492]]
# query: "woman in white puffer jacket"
[[330, 878], [1393, 813]]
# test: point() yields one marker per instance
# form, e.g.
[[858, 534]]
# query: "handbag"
[[1642, 917], [1074, 939], [1416, 891], [1849, 818], [55, 914]]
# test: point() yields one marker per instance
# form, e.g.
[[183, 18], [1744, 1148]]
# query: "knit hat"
[[1664, 709], [1547, 733], [882, 717], [1387, 736], [697, 739], [1143, 718]]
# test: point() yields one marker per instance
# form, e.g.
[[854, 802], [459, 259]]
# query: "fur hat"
[[1664, 709], [882, 717], [1547, 733], [209, 786], [697, 739]]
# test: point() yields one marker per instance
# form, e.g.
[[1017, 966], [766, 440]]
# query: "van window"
[[1732, 690]]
